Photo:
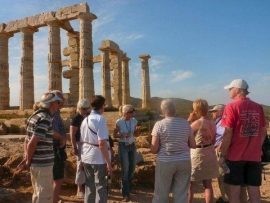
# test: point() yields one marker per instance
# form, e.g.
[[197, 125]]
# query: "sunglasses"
[[130, 112], [85, 109]]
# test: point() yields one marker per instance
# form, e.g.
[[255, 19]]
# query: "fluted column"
[[86, 78], [54, 55], [106, 76], [145, 81], [27, 66], [116, 67], [4, 71], [125, 80]]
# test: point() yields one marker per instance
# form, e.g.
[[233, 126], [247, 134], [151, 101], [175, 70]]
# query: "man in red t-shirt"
[[245, 130]]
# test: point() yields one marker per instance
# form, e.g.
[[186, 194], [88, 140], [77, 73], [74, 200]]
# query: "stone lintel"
[[33, 21], [104, 48], [28, 29], [144, 56], [6, 34], [125, 58], [111, 45], [63, 24], [97, 59], [73, 34], [72, 12]]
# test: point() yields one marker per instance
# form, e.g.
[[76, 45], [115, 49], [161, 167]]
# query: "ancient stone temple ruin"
[[114, 62]]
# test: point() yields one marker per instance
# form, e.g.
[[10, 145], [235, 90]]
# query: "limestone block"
[[40, 19], [74, 64], [14, 26], [70, 73], [97, 59], [74, 49], [66, 51], [71, 12], [74, 57], [112, 45], [72, 42], [65, 63], [2, 26]]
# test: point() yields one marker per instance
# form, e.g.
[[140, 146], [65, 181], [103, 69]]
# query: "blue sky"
[[196, 47]]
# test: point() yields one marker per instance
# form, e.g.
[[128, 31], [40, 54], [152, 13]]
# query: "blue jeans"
[[95, 183], [127, 161]]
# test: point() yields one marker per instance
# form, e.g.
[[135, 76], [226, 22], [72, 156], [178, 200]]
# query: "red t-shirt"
[[246, 118]]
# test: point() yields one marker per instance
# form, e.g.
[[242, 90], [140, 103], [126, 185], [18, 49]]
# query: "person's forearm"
[[73, 131], [59, 137], [104, 151], [226, 141], [31, 148]]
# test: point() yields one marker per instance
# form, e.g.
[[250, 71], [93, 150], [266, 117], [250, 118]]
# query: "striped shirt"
[[39, 124], [173, 134]]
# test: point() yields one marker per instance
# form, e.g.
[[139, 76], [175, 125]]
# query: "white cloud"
[[180, 75]]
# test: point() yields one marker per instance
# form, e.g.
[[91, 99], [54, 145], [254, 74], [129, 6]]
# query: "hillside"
[[184, 107]]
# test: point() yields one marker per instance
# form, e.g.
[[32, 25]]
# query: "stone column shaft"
[[106, 76], [27, 72], [125, 81], [86, 78], [54, 56], [4, 71], [116, 67], [146, 102]]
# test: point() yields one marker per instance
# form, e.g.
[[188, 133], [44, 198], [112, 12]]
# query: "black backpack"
[[266, 151]]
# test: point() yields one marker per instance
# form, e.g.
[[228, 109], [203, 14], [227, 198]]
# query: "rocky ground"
[[17, 187]]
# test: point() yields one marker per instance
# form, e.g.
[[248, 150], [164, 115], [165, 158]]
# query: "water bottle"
[[225, 168]]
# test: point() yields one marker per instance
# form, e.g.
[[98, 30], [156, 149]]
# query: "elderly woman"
[[75, 135], [203, 158], [172, 139], [126, 129]]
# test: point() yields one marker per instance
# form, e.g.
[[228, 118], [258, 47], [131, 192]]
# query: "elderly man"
[[39, 148], [245, 126], [59, 143], [217, 112]]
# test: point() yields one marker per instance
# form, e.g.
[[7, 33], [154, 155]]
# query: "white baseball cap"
[[238, 83], [50, 97], [219, 107]]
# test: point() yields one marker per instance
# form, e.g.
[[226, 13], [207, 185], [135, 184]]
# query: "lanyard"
[[128, 129]]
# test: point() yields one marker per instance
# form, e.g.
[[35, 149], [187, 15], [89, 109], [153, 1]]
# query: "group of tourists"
[[198, 149]]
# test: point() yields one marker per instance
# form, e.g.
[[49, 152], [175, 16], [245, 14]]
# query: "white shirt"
[[91, 154]]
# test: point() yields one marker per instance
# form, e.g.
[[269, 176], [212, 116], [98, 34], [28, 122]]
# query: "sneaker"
[[80, 194]]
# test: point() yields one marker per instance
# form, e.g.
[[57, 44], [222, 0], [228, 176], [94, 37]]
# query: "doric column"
[[54, 55], [116, 67], [86, 78], [145, 81], [106, 76], [125, 80], [27, 66], [4, 71]]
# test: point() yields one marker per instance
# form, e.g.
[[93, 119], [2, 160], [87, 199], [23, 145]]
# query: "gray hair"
[[83, 103], [168, 107], [43, 101], [125, 108]]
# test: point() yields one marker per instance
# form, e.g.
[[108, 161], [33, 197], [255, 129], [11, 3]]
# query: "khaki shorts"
[[42, 182]]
